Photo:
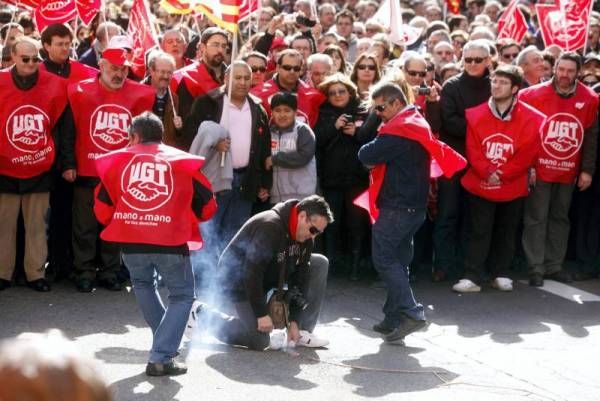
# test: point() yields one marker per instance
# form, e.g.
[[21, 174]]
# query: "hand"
[[434, 95], [349, 129], [584, 181], [265, 324], [316, 31], [532, 177], [263, 194], [494, 178], [275, 23], [177, 122], [341, 122], [269, 163], [293, 333], [70, 175], [223, 145]]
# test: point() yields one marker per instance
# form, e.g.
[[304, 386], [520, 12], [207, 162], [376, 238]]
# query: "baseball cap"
[[120, 42], [117, 57]]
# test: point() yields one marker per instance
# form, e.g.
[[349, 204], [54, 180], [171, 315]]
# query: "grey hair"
[[524, 54], [237, 63], [159, 55], [319, 58], [478, 44], [389, 91]]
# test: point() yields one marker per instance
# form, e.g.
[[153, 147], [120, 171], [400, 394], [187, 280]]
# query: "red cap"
[[117, 57], [278, 42]]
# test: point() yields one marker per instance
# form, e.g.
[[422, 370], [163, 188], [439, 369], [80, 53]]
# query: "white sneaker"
[[502, 284], [192, 322], [466, 285], [309, 340]]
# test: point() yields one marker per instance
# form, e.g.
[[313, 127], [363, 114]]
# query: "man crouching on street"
[[151, 199], [249, 267]]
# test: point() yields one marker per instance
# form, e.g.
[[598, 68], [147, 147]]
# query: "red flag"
[[410, 124], [565, 24], [54, 12], [453, 6], [27, 4], [247, 7], [142, 35], [512, 23], [87, 10]]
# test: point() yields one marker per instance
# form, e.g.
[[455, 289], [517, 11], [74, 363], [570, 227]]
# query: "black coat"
[[338, 166], [458, 94]]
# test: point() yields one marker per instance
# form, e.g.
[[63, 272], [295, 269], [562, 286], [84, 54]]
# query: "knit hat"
[[286, 99]]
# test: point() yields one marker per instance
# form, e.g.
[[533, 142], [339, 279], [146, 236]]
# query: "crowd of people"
[[482, 150]]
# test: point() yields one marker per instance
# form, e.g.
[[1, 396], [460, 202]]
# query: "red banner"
[[142, 35], [565, 24], [453, 6], [247, 7], [512, 23], [54, 12], [87, 10]]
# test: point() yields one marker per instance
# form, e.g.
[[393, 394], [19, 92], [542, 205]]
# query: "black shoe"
[[4, 284], [383, 328], [583, 276], [562, 276], [40, 285], [85, 285], [111, 284], [536, 280], [166, 369], [407, 327]]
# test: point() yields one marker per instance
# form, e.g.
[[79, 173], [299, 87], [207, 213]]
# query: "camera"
[[293, 296], [424, 90], [304, 21], [349, 118]]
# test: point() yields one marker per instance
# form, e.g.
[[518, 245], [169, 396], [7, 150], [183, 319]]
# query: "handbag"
[[278, 308]]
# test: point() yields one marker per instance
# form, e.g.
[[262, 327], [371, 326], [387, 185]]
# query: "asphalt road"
[[531, 344]]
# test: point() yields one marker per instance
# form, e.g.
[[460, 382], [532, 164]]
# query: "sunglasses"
[[296, 68], [476, 60], [381, 108], [259, 69], [30, 59], [314, 230], [421, 74], [510, 55], [339, 92], [364, 67]]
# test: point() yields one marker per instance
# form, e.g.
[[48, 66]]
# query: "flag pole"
[[12, 19], [234, 50], [587, 29]]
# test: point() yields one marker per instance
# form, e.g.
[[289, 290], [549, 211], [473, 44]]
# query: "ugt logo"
[[26, 129], [562, 136], [109, 127], [147, 182], [498, 149]]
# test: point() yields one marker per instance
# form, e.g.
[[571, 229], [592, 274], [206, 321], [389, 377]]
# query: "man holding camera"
[[279, 238]]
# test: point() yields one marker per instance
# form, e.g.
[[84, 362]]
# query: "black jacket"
[[337, 153], [209, 107], [458, 94], [249, 267]]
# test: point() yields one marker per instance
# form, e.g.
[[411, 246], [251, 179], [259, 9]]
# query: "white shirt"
[[240, 131]]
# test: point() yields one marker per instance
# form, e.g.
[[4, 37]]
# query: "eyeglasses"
[[364, 67], [296, 68], [381, 108], [421, 74], [30, 59], [259, 69], [510, 55], [215, 45], [476, 60], [314, 230], [339, 92]]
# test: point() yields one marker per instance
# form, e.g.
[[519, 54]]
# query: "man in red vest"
[[202, 77], [33, 102], [102, 109], [502, 145], [151, 199], [567, 157], [287, 79]]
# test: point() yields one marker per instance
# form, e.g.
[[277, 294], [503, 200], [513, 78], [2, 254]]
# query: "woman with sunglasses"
[[365, 74], [340, 132]]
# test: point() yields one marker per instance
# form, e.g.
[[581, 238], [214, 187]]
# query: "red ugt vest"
[[309, 100], [562, 133], [509, 146], [27, 148], [102, 118], [151, 188], [196, 79]]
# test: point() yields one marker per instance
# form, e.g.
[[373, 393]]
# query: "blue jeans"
[[232, 212], [392, 253], [167, 324]]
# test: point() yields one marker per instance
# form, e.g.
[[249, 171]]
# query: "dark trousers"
[[86, 241], [587, 212], [60, 252], [241, 329], [393, 234], [491, 236], [448, 229]]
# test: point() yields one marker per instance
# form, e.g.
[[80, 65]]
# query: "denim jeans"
[[393, 234], [168, 323]]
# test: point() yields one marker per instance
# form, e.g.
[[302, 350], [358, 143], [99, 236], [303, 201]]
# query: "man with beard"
[[502, 145], [567, 158], [102, 110], [161, 67], [287, 79], [33, 102], [207, 74]]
